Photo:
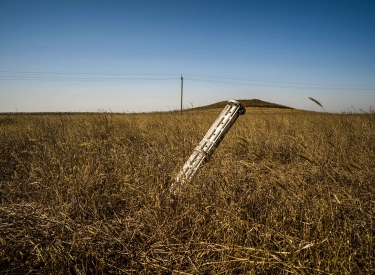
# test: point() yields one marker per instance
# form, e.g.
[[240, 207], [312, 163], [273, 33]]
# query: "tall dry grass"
[[286, 192]]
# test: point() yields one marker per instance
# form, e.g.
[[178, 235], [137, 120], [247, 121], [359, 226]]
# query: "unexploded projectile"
[[209, 143]]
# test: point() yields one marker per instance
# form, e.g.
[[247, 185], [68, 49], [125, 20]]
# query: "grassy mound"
[[248, 103]]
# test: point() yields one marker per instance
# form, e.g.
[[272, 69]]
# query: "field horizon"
[[248, 103]]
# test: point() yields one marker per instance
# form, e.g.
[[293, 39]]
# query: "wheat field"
[[286, 192]]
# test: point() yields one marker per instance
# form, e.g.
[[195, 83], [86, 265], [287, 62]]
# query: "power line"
[[77, 76], [77, 73], [280, 82], [85, 76], [283, 86], [82, 78]]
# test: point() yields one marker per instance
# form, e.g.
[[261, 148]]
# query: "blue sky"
[[128, 56]]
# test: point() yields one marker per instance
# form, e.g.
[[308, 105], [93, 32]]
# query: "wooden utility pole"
[[182, 88]]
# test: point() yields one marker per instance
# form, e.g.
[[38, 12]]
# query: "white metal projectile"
[[209, 143]]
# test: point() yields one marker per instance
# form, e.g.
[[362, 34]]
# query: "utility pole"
[[182, 88]]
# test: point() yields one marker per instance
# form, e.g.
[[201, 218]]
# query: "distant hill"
[[248, 103]]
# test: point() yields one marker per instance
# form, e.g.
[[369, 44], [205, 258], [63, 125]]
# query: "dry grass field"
[[286, 192]]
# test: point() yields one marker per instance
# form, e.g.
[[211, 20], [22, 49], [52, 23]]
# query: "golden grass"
[[286, 192]]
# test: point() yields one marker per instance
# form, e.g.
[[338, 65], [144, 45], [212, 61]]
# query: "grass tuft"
[[317, 102]]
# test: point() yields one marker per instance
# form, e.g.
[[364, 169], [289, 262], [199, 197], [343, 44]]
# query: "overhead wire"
[[285, 86], [86, 76], [75, 76], [268, 81], [82, 79], [80, 73]]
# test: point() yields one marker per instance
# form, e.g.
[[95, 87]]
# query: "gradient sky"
[[128, 56]]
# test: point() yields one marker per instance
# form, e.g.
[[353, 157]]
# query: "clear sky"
[[128, 56]]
